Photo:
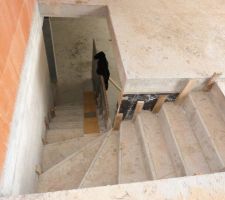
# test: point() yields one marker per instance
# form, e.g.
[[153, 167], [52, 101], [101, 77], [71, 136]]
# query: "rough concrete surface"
[[104, 169], [170, 40], [68, 173], [132, 166], [207, 187], [73, 45], [160, 161]]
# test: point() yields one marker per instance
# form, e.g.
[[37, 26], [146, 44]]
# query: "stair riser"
[[69, 107], [58, 136], [66, 125], [68, 118], [172, 145], [69, 112], [202, 133], [219, 99], [149, 163]]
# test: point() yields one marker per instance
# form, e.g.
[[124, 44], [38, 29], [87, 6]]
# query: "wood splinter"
[[211, 81], [159, 103], [184, 93]]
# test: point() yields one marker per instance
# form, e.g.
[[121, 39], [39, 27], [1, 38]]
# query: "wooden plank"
[[89, 102], [118, 120], [119, 100], [159, 103], [138, 108], [184, 93], [91, 125], [90, 117], [211, 81]]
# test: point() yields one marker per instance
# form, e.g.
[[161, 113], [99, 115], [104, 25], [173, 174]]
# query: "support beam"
[[211, 81], [159, 103], [184, 93], [118, 120], [138, 108]]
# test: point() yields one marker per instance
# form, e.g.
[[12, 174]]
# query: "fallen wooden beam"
[[211, 81], [118, 120], [159, 103], [184, 93], [138, 108]]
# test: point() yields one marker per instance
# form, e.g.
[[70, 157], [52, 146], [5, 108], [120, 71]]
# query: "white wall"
[[27, 126]]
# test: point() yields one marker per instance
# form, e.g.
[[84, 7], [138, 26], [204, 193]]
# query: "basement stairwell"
[[180, 140]]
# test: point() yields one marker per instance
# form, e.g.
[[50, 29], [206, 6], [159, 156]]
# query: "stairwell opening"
[[69, 47]]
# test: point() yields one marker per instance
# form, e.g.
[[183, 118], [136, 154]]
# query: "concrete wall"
[[72, 39], [27, 127]]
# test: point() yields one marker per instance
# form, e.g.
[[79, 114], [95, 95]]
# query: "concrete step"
[[155, 147], [217, 95], [186, 150], [67, 118], [58, 135], [69, 107], [209, 128], [132, 165], [66, 125], [75, 112], [56, 152], [68, 173], [104, 168]]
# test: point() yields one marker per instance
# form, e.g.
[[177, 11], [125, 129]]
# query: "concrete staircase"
[[181, 140]]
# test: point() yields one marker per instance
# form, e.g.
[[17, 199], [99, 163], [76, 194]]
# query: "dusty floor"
[[72, 38]]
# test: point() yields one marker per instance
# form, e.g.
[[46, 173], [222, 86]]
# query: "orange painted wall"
[[15, 24]]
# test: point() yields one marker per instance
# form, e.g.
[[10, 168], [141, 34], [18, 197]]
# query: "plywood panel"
[[90, 116], [91, 125]]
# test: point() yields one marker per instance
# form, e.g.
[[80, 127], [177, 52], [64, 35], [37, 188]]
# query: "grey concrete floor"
[[72, 40]]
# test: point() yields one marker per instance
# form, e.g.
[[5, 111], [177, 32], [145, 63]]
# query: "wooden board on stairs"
[[90, 115]]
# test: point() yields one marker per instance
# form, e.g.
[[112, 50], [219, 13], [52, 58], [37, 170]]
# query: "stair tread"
[[68, 107], [212, 119], [57, 135], [132, 166], [157, 146], [54, 153], [105, 168], [75, 112], [67, 118], [68, 173], [193, 158], [67, 124]]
